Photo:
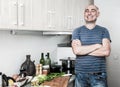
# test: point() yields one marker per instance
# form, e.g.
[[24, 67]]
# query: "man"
[[91, 45]]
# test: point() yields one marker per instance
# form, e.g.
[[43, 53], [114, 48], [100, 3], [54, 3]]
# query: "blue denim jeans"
[[91, 80]]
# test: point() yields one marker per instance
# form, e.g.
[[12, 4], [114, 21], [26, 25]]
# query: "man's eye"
[[93, 10], [86, 10]]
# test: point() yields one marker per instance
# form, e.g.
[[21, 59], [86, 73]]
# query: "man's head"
[[91, 13]]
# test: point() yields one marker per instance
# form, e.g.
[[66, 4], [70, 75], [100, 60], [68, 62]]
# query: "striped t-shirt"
[[88, 63]]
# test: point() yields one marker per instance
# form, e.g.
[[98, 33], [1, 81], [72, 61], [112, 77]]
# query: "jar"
[[38, 69], [45, 70]]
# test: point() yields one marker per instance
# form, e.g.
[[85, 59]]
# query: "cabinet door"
[[39, 14], [62, 14], [24, 14], [4, 14], [15, 14]]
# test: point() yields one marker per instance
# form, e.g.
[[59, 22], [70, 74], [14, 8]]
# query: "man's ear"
[[98, 14]]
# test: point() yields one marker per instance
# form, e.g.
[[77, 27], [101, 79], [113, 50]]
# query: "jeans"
[[91, 80]]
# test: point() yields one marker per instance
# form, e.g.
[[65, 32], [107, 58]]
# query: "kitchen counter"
[[70, 83]]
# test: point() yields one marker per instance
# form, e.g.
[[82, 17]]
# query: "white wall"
[[13, 49], [109, 17]]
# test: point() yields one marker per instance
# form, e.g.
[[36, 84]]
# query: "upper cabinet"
[[43, 15], [47, 15], [15, 14], [24, 20], [58, 15]]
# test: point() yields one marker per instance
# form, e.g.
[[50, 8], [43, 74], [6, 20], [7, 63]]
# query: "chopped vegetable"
[[53, 75], [37, 80]]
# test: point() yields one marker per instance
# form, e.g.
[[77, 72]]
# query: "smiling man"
[[91, 45]]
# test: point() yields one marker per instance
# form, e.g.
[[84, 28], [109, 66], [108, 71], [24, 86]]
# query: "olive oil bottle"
[[42, 60]]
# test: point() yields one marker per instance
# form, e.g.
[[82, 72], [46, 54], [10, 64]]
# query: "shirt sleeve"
[[75, 34], [106, 34]]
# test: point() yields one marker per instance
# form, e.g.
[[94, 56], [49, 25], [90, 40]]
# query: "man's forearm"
[[100, 52], [104, 50], [84, 50]]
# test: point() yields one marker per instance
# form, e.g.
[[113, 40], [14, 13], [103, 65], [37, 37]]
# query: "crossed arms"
[[94, 50]]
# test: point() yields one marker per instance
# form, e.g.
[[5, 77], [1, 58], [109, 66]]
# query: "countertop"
[[70, 83]]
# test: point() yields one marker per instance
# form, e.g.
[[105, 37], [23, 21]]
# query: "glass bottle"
[[27, 67], [42, 60], [48, 61]]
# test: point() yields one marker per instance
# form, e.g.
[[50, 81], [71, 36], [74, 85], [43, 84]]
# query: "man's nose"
[[89, 12]]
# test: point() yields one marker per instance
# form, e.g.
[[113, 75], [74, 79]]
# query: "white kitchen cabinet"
[[57, 15], [25, 14], [47, 15], [42, 15], [15, 14]]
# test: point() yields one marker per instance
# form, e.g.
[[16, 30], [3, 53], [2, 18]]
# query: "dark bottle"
[[42, 60], [28, 67], [48, 60]]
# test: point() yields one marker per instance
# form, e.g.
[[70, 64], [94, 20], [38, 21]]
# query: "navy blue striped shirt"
[[88, 63]]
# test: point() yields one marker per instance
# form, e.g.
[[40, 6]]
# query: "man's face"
[[91, 13]]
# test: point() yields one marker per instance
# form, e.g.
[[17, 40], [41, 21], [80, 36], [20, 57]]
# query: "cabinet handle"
[[21, 14], [16, 13], [69, 22], [51, 15]]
